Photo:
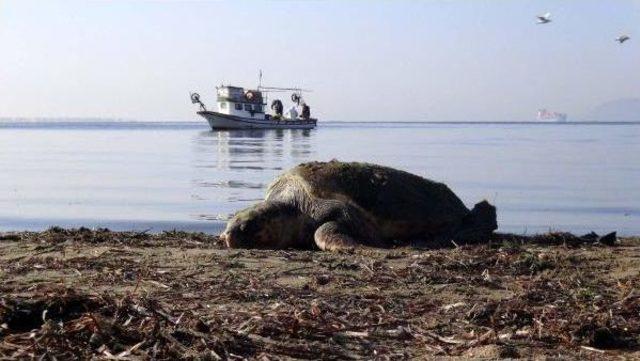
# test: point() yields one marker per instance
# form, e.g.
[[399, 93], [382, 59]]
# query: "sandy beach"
[[319, 180], [127, 295]]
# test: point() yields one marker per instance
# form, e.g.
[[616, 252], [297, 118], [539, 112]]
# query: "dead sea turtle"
[[337, 205]]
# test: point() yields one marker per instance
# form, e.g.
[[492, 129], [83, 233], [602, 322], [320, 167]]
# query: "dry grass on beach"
[[110, 295]]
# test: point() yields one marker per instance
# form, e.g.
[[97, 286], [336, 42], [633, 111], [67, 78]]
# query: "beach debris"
[[590, 237], [608, 239], [9, 237], [530, 297], [453, 305], [323, 279]]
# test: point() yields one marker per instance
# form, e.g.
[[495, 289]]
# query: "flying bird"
[[622, 38], [543, 19]]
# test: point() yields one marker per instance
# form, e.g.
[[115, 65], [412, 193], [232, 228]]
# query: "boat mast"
[[266, 95]]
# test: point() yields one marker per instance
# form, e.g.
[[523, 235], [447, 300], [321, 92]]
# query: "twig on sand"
[[588, 348]]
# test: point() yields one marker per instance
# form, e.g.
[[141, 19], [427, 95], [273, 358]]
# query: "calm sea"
[[160, 176]]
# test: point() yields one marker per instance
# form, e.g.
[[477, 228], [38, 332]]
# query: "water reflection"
[[230, 167], [163, 176]]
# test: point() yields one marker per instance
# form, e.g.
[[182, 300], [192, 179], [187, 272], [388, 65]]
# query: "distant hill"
[[619, 110]]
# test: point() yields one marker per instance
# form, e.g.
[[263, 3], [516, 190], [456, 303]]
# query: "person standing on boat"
[[277, 107], [306, 111]]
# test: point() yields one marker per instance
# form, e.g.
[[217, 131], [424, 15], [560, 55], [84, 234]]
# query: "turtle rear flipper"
[[478, 225], [332, 237]]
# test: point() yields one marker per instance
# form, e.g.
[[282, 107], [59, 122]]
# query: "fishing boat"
[[546, 116], [240, 108]]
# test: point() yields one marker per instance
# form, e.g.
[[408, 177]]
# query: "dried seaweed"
[[85, 294]]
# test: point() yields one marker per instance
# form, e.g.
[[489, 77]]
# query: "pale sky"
[[365, 60]]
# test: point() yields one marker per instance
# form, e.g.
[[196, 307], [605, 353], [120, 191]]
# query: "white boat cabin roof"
[[239, 95]]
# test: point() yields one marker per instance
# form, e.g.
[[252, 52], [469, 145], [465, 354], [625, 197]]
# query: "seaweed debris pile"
[[124, 295]]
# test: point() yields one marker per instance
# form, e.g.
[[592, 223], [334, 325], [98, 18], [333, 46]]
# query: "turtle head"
[[266, 225], [478, 224]]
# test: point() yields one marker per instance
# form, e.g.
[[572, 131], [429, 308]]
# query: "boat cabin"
[[239, 102]]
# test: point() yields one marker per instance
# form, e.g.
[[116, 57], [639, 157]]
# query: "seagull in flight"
[[543, 19], [622, 38]]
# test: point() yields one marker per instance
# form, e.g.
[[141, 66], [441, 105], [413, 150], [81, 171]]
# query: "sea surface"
[[163, 176]]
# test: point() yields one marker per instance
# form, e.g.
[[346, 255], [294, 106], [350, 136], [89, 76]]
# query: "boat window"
[[238, 106], [247, 107], [257, 108], [223, 105]]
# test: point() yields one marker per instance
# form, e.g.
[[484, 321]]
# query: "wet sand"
[[95, 293]]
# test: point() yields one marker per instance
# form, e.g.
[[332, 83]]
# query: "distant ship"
[[546, 116]]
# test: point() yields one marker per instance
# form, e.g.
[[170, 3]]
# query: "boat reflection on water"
[[230, 166]]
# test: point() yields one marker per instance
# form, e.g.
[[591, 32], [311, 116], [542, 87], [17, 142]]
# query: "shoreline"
[[543, 238], [94, 293], [214, 227]]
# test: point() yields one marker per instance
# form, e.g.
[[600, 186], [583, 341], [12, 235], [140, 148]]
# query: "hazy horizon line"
[[88, 120]]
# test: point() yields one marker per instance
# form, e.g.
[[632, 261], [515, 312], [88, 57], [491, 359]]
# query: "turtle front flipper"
[[332, 237]]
